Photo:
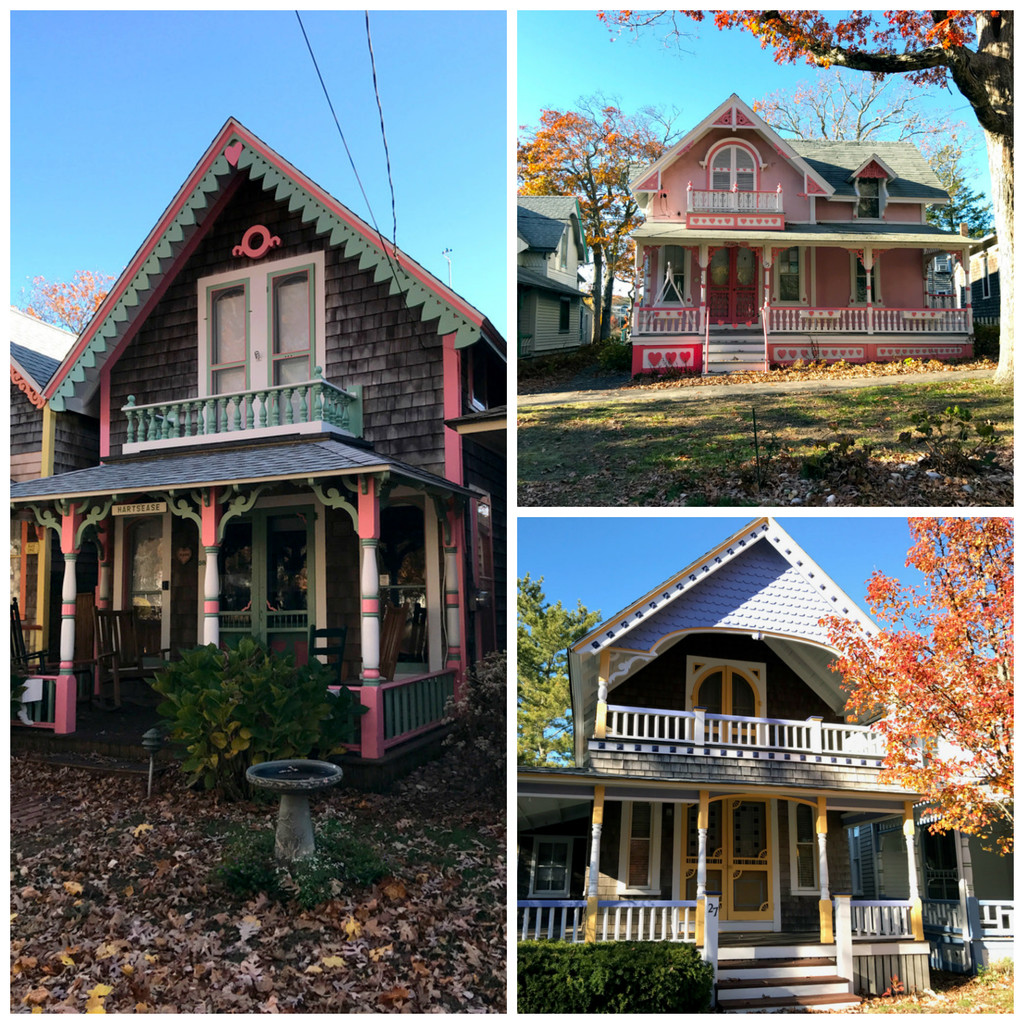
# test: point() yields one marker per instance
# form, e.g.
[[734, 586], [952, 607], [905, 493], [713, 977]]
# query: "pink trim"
[[67, 611], [211, 607], [369, 509], [255, 252], [210, 513], [371, 673], [371, 606], [233, 152], [371, 724], [452, 409], [650, 183], [64, 704]]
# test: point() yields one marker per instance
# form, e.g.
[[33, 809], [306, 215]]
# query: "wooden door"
[[732, 286]]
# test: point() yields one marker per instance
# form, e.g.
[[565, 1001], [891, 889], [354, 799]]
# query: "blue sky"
[[565, 55], [110, 111], [608, 562]]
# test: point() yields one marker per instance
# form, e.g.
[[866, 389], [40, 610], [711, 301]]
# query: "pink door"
[[732, 286]]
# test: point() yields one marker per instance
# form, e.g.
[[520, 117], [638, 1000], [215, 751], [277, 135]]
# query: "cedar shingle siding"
[[372, 338]]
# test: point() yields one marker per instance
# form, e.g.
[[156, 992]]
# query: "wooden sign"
[[140, 509]]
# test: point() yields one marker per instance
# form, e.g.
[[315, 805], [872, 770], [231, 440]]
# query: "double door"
[[732, 286], [738, 857], [266, 580]]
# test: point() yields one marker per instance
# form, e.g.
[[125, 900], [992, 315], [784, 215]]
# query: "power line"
[[383, 134]]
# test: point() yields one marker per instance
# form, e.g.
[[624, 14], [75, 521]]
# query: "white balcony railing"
[[698, 728], [881, 919], [552, 919], [262, 411], [714, 201]]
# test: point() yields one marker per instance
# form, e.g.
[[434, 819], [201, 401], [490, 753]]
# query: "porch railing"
[[886, 919], [817, 320], [699, 200], [552, 919], [414, 705], [269, 410], [698, 728], [996, 918]]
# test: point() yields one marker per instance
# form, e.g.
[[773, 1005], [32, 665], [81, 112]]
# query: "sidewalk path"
[[700, 391]]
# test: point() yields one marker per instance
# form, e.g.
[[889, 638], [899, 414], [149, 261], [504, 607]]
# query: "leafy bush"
[[239, 707], [838, 459], [986, 341], [954, 439], [615, 356], [612, 977], [478, 722]]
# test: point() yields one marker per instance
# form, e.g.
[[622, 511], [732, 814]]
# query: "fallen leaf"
[[381, 951], [75, 888], [141, 829], [353, 929], [333, 961]]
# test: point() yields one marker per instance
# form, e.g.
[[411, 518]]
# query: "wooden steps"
[[733, 353], [785, 984]]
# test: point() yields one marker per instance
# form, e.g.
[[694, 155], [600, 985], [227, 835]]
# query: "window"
[[640, 848], [788, 275], [564, 309], [552, 874], [803, 849], [263, 326], [986, 284], [563, 250], [733, 165], [673, 274], [870, 202]]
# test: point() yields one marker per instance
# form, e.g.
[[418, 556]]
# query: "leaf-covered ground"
[[990, 992], [115, 907]]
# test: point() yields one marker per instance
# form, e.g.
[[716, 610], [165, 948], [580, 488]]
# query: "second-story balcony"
[[734, 208], [308, 407]]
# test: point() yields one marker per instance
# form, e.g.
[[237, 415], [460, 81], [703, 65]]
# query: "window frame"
[[679, 294], [564, 314], [733, 147], [876, 283], [551, 894], [794, 849], [260, 357], [653, 886], [880, 199], [777, 296]]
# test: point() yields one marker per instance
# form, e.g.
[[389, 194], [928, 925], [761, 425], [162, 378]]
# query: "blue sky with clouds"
[[111, 110], [565, 55]]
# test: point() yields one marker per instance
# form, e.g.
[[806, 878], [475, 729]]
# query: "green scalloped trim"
[[340, 235]]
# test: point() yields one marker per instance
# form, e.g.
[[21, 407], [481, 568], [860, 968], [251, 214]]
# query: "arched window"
[[733, 165]]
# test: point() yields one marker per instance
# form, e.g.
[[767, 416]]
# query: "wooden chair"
[[21, 657], [330, 642], [119, 654], [391, 632]]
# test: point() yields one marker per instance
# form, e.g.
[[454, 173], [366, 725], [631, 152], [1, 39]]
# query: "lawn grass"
[[666, 448]]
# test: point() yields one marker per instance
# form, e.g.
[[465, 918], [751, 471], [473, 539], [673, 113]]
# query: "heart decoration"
[[670, 356], [654, 358], [233, 152]]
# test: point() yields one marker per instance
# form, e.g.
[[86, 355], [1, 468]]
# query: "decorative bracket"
[[95, 515], [333, 498], [237, 505], [183, 507]]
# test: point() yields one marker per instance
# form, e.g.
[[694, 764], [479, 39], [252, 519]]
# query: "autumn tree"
[[940, 672], [545, 631], [591, 153], [68, 304], [930, 48]]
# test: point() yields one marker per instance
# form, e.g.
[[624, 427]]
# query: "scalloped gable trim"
[[235, 150]]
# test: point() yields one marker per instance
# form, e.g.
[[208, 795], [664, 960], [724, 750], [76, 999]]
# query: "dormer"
[[871, 180]]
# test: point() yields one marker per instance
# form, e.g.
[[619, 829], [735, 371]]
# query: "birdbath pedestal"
[[294, 780]]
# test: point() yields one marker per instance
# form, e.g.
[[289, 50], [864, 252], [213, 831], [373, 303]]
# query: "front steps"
[[732, 353], [752, 981]]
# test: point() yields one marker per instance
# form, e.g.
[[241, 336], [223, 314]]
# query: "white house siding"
[[547, 337]]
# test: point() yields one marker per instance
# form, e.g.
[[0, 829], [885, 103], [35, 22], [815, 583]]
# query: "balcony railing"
[[697, 728], [885, 919], [714, 201], [288, 408]]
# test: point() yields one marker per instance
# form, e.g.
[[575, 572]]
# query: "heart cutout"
[[233, 152], [670, 356], [654, 358]]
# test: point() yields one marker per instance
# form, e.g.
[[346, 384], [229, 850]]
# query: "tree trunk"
[[1000, 164], [595, 295], [606, 310]]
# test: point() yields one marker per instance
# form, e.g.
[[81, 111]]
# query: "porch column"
[[702, 863], [709, 946], [916, 912], [824, 902], [844, 939], [703, 259], [596, 821], [453, 599], [104, 589], [65, 685], [371, 696], [965, 262], [209, 528], [601, 724], [869, 262]]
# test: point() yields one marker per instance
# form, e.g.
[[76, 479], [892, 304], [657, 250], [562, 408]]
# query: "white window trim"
[[876, 283], [776, 282], [663, 291], [883, 199], [794, 885], [709, 162], [654, 876], [256, 277], [550, 893], [986, 284]]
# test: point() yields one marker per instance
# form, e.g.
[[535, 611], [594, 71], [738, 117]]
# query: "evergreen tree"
[[544, 726], [965, 206]]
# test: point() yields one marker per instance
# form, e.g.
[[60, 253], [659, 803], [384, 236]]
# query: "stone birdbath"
[[295, 780]]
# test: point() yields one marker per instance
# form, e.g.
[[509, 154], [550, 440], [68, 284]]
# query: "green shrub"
[[954, 439], [612, 977], [986, 341], [614, 356], [239, 707]]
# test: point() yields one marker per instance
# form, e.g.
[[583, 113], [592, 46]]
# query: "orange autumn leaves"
[[940, 671], [70, 304]]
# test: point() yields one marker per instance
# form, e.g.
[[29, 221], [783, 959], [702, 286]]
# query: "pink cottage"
[[760, 250]]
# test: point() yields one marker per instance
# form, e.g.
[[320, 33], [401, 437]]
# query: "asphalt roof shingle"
[[836, 161]]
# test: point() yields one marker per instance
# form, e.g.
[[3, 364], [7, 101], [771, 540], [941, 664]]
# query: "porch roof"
[[851, 233], [292, 460]]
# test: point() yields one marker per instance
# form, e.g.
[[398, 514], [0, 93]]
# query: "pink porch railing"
[[716, 201], [663, 320], [400, 710], [698, 728]]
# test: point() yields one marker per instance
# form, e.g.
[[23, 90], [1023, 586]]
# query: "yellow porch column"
[[824, 900], [916, 913], [596, 821], [601, 725], [702, 863]]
